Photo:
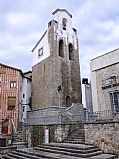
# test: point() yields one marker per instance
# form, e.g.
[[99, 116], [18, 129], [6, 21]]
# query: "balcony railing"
[[101, 115]]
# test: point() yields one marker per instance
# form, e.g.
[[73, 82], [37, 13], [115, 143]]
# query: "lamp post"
[[59, 89], [112, 79]]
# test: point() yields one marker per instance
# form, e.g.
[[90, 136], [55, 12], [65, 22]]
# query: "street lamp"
[[112, 80], [59, 89]]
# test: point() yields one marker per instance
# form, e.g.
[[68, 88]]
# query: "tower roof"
[[62, 10]]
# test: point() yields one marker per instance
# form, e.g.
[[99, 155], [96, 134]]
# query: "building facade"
[[25, 97], [105, 82], [56, 64], [15, 89]]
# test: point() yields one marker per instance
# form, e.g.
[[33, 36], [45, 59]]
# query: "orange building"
[[10, 98]]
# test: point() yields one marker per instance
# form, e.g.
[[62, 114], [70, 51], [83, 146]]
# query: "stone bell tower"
[[56, 63]]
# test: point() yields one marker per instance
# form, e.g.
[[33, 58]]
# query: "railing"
[[101, 115], [53, 115], [10, 117], [73, 114]]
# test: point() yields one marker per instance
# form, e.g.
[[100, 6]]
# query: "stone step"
[[82, 147], [12, 155], [68, 153], [105, 156], [20, 145], [23, 154], [18, 155], [30, 153], [18, 140], [7, 157], [80, 138], [94, 149], [72, 146], [15, 137], [77, 135], [75, 139], [53, 155], [41, 155], [77, 132], [36, 154], [74, 142]]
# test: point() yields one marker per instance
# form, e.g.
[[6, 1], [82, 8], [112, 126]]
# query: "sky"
[[22, 22]]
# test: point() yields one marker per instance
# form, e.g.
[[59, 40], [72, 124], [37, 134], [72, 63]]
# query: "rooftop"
[[62, 10]]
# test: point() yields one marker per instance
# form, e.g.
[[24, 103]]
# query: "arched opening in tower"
[[71, 52], [68, 101], [61, 49]]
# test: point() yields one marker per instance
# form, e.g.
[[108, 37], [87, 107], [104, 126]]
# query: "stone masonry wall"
[[104, 94], [60, 132], [104, 135], [35, 135]]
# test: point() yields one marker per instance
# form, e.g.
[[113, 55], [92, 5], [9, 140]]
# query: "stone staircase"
[[59, 151], [16, 137], [17, 140], [77, 136], [73, 147]]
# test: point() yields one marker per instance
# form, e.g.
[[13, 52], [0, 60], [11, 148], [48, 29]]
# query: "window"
[[13, 84], [64, 22], [40, 52], [71, 52], [68, 101], [23, 95], [23, 108], [2, 70], [11, 103], [115, 101], [61, 49], [5, 125]]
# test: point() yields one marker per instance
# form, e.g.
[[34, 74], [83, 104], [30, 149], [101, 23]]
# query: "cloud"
[[18, 50], [19, 19], [23, 22], [98, 30]]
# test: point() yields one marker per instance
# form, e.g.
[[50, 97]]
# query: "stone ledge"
[[102, 121]]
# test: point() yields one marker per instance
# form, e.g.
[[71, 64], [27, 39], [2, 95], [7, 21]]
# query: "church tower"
[[56, 63]]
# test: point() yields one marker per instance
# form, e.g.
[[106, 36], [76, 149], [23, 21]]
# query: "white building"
[[105, 81], [25, 96]]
